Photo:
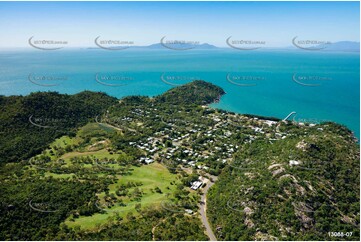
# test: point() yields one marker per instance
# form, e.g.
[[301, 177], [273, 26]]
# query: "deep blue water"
[[331, 89]]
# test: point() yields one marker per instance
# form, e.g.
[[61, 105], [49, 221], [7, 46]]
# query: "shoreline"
[[218, 101]]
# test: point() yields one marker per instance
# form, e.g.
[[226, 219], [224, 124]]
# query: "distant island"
[[341, 46], [345, 46], [161, 46]]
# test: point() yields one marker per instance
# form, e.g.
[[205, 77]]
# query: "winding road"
[[203, 210]]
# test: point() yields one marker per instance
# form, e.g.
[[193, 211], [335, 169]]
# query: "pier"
[[289, 115]]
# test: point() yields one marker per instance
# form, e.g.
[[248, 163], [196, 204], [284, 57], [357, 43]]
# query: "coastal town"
[[189, 139], [174, 159]]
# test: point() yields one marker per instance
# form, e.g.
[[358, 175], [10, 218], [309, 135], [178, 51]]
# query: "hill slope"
[[197, 92], [29, 123], [300, 188]]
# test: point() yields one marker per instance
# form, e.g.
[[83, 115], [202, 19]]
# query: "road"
[[153, 229], [203, 210]]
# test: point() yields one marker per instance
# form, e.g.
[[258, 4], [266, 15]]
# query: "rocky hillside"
[[303, 187]]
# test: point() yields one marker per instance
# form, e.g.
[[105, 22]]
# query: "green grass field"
[[100, 154], [147, 178], [153, 175]]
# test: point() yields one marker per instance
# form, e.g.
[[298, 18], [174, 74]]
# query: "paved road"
[[203, 210]]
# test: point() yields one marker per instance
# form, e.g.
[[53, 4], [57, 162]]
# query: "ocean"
[[318, 86]]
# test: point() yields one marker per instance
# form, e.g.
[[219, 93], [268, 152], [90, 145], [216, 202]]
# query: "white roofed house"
[[146, 160], [196, 184]]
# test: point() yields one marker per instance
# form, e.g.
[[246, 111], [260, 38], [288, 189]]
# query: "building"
[[195, 185]]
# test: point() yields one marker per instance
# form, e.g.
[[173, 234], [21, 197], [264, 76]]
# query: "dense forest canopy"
[[72, 167], [23, 119]]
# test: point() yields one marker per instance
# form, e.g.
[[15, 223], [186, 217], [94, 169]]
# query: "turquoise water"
[[335, 94]]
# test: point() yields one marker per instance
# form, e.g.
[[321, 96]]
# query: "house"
[[270, 123], [196, 185], [294, 163], [189, 211], [146, 160]]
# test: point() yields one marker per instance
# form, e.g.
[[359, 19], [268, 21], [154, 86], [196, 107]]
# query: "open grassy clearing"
[[151, 176], [146, 186]]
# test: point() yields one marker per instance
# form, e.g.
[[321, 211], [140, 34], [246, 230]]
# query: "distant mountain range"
[[203, 46], [182, 46], [348, 46], [342, 46]]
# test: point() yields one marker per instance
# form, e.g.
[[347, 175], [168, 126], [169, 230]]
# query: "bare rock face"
[[301, 211], [278, 171], [348, 220], [247, 211], [273, 169], [264, 237], [249, 223], [250, 175], [302, 145], [288, 176], [273, 166]]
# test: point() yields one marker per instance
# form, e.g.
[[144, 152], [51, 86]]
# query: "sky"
[[144, 23]]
